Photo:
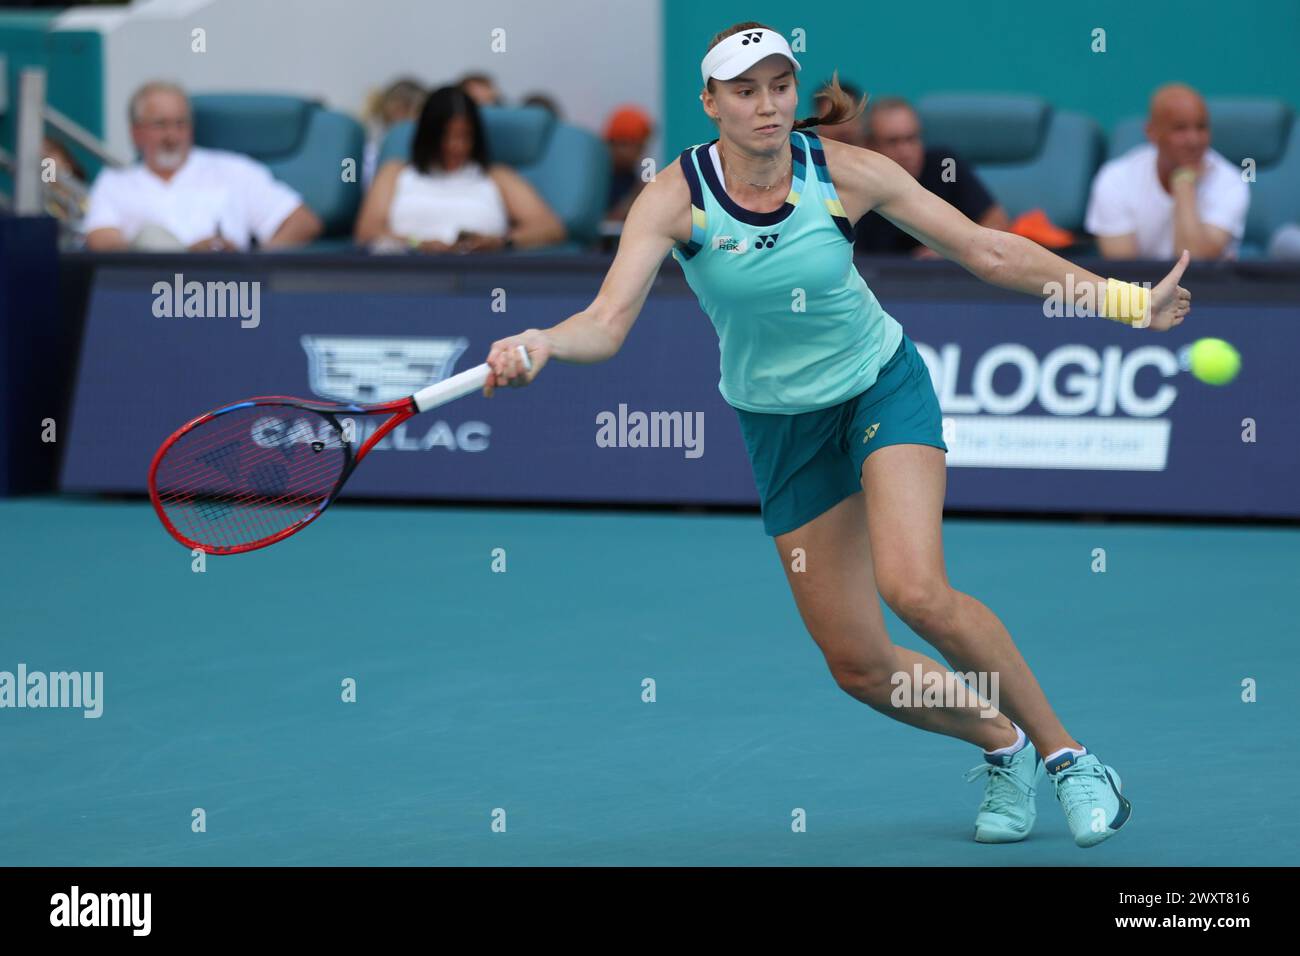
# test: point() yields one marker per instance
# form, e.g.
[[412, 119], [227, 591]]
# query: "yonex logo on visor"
[[738, 52]]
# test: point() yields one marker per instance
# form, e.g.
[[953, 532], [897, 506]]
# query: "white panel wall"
[[590, 56]]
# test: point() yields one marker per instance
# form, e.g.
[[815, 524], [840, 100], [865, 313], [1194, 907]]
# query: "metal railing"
[[33, 115]]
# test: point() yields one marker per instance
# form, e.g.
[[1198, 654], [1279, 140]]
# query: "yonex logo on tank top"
[[765, 242]]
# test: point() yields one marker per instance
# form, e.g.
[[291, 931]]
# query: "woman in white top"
[[449, 197]]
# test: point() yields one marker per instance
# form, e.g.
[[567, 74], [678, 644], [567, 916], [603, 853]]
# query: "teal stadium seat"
[[302, 143], [568, 166], [1030, 155], [1264, 130]]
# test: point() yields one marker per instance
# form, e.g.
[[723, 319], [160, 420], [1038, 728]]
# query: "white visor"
[[738, 52]]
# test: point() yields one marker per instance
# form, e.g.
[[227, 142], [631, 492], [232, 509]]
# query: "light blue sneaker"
[[1089, 792], [1008, 811]]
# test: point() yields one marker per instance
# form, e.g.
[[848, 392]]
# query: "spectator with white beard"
[[181, 196]]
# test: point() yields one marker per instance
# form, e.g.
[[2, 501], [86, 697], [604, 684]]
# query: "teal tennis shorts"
[[805, 464]]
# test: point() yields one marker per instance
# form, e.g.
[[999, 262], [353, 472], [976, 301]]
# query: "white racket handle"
[[460, 385]]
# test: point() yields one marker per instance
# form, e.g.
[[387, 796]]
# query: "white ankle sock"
[[1065, 750], [1010, 748]]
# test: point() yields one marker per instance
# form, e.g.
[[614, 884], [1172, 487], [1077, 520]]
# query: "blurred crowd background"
[[432, 164]]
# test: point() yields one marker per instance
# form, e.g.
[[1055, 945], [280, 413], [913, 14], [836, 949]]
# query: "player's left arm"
[[1003, 259]]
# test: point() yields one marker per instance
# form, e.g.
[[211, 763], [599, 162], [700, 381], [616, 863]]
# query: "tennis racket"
[[249, 474]]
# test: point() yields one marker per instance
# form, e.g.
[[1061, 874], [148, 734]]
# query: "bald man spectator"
[[181, 196], [892, 128], [1171, 193]]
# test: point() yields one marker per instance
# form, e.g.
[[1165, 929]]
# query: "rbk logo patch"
[[730, 244]]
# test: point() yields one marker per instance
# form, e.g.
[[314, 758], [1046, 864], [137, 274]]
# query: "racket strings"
[[228, 518], [248, 475]]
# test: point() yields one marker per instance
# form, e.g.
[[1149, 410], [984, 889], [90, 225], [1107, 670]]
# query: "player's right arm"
[[597, 332]]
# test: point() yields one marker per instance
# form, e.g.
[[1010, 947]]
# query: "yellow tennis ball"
[[1214, 361]]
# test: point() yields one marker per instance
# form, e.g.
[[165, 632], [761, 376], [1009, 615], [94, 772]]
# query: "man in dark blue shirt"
[[891, 127]]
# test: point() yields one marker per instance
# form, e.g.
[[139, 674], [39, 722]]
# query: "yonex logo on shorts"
[[870, 433]]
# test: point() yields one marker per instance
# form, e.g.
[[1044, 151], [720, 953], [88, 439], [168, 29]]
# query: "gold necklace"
[[746, 181]]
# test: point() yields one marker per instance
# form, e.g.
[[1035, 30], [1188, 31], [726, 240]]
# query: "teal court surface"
[[482, 693]]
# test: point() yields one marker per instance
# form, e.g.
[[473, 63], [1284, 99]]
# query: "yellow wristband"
[[1125, 302]]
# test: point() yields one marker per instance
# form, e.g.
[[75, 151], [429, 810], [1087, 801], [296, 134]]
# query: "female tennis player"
[[836, 406]]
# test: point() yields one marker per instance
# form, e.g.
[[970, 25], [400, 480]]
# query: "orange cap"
[[1036, 226], [628, 122]]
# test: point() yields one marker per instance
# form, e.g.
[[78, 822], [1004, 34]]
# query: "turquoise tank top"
[[797, 326]]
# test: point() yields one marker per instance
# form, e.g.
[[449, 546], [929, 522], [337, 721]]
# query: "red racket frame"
[[401, 410]]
